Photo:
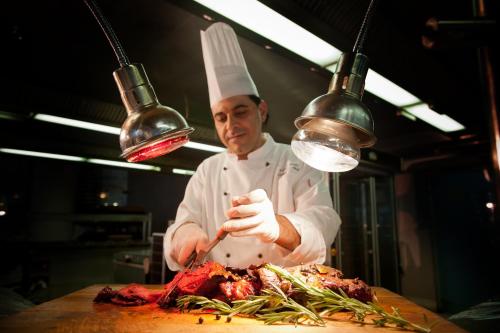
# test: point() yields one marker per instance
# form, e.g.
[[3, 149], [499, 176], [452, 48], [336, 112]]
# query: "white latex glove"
[[252, 215], [187, 238]]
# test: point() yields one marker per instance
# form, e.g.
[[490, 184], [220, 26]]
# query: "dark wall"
[[416, 255], [452, 204], [159, 194], [36, 191], [42, 254]]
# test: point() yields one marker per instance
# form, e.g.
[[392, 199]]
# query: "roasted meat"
[[130, 295], [205, 281], [238, 290], [331, 278], [213, 280]]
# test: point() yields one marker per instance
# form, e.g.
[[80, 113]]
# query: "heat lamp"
[[333, 127], [151, 129]]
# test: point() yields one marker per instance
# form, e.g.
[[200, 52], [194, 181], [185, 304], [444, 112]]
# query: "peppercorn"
[[200, 320]]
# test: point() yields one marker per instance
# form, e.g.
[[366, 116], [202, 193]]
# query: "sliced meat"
[[269, 279], [359, 290], [237, 290], [130, 295], [213, 280], [105, 295], [203, 281], [319, 276]]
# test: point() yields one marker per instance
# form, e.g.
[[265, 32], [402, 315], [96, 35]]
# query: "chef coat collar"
[[260, 153]]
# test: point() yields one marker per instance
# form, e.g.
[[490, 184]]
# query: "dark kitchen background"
[[418, 214]]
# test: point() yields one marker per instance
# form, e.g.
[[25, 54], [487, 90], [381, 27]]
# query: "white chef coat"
[[297, 191]]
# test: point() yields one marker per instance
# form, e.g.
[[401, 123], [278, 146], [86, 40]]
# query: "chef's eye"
[[240, 113], [220, 118]]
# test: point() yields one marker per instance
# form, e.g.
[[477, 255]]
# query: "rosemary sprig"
[[271, 307], [326, 302], [285, 309], [190, 302]]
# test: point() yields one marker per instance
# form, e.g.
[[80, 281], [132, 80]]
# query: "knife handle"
[[191, 259], [221, 234]]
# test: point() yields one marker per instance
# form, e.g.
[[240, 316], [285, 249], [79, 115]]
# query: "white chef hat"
[[227, 73]]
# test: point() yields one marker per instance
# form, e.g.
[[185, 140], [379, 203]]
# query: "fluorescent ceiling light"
[[202, 146], [77, 123], [112, 130], [183, 172], [43, 155], [124, 164], [80, 159], [408, 115], [11, 115], [385, 89], [441, 121], [266, 22]]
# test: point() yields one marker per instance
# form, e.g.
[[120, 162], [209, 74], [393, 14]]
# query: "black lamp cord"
[[108, 31], [360, 40]]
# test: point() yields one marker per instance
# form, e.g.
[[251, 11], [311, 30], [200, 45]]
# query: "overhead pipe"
[[476, 32]]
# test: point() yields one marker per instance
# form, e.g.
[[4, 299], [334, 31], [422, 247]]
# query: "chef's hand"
[[252, 215], [186, 239]]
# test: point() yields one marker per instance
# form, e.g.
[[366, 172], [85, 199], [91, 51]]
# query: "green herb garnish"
[[274, 306]]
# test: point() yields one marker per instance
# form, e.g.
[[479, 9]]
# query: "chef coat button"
[[225, 193], [259, 255], [267, 163], [228, 255], [225, 168]]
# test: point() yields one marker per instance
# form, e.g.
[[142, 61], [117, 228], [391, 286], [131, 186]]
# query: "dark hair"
[[257, 100]]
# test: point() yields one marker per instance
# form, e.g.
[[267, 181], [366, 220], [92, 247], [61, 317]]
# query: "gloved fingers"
[[245, 210], [259, 231], [235, 201], [187, 248], [241, 224], [257, 195], [185, 252], [250, 232], [202, 244]]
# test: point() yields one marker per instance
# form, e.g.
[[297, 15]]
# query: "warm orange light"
[[158, 149]]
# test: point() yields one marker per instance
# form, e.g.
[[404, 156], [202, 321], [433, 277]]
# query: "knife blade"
[[194, 260], [173, 284], [221, 234]]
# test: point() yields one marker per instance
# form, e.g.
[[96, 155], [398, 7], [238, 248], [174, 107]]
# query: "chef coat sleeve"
[[314, 218], [189, 211]]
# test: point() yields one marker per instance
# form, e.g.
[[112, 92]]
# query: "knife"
[[173, 284], [194, 260], [221, 234]]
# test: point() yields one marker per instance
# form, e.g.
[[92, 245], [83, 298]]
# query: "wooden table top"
[[77, 313]]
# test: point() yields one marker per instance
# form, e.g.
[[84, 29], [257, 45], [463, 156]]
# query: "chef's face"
[[238, 121]]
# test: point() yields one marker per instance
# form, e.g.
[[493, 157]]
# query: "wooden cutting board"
[[77, 313]]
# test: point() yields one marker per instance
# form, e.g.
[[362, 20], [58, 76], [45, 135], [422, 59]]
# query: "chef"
[[275, 208]]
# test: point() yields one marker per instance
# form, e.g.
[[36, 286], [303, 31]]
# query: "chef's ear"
[[263, 111]]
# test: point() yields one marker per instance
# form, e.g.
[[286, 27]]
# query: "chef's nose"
[[230, 122]]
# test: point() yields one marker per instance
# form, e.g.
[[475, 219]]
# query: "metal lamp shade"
[[341, 115], [150, 129], [333, 127]]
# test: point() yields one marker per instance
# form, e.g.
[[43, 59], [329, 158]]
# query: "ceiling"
[[56, 60]]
